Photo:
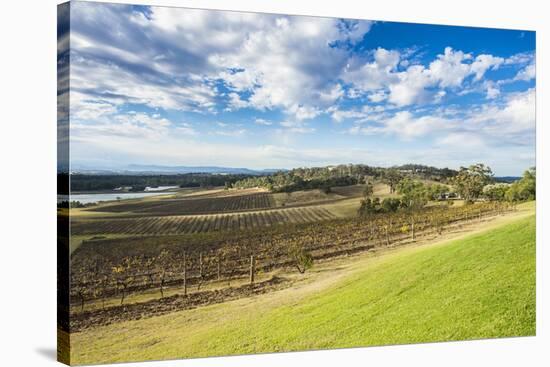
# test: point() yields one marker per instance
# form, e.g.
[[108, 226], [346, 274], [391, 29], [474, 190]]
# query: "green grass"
[[482, 286]]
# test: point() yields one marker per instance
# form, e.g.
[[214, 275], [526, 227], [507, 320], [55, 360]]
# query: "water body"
[[94, 198], [160, 188]]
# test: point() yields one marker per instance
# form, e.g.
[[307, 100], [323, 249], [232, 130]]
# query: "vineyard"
[[194, 205], [116, 268], [173, 225]]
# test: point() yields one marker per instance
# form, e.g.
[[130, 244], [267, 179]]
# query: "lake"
[[94, 198]]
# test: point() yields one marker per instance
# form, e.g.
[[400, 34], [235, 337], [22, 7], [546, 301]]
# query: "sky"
[[175, 86]]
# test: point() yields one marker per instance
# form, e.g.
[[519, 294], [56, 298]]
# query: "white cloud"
[[373, 75], [462, 140], [514, 121], [235, 102], [304, 112], [411, 87], [288, 64], [298, 127], [407, 126], [520, 58], [341, 115], [357, 29], [527, 73], [449, 70], [510, 123], [115, 85], [299, 67], [378, 96], [164, 60], [262, 122], [84, 107], [138, 126], [416, 84], [332, 95], [185, 130], [492, 92], [231, 133]]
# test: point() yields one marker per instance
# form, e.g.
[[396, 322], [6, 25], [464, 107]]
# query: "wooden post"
[[184, 274], [252, 268], [219, 267], [412, 229], [200, 265]]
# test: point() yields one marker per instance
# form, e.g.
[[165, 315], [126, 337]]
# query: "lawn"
[[481, 286]]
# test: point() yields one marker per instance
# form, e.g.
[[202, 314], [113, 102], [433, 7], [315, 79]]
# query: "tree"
[[496, 192], [390, 205], [414, 193], [369, 206], [470, 181], [368, 191], [414, 197], [436, 191], [392, 178], [524, 189], [301, 257]]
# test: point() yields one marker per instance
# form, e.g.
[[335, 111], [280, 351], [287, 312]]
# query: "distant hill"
[[142, 169], [506, 179]]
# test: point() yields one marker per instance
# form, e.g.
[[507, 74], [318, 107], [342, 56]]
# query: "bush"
[[301, 257]]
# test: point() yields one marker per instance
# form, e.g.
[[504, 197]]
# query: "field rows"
[[226, 255], [171, 225], [190, 206]]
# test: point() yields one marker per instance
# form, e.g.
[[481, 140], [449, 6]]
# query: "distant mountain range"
[[143, 169], [506, 179]]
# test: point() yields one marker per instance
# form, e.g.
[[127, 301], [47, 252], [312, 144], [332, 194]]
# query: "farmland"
[[195, 205], [208, 210], [154, 257], [489, 278], [197, 259], [181, 224]]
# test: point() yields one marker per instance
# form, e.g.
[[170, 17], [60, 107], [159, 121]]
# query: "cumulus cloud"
[[512, 122], [492, 92], [416, 83], [378, 96], [483, 63], [449, 69], [341, 115], [370, 76], [411, 86], [527, 73], [162, 58]]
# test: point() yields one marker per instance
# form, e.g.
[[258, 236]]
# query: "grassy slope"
[[478, 287]]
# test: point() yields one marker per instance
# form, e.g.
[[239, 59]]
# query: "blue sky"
[[174, 86]]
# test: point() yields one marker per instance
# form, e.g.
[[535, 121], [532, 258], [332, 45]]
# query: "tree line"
[[342, 175], [472, 183], [84, 182]]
